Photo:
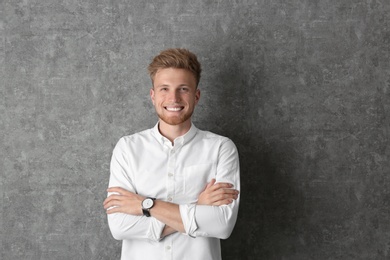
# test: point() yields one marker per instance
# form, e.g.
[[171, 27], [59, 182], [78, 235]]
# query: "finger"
[[209, 185], [228, 194], [224, 199], [222, 185], [112, 203], [220, 192], [112, 197], [223, 202], [113, 210], [117, 189], [225, 196], [226, 190], [107, 200]]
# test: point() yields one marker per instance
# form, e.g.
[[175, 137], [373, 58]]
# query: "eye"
[[184, 89]]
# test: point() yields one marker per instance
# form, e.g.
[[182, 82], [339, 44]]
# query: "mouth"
[[174, 108]]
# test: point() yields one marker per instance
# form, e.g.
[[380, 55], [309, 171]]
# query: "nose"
[[174, 96]]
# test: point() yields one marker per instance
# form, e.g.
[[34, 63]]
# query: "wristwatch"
[[147, 204]]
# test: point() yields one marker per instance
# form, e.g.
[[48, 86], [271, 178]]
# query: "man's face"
[[174, 95]]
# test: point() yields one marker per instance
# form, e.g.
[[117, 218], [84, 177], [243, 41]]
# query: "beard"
[[175, 120]]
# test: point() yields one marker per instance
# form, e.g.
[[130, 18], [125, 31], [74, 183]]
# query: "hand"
[[123, 202], [217, 194]]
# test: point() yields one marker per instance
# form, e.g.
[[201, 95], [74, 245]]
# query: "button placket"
[[170, 196], [168, 248], [170, 174]]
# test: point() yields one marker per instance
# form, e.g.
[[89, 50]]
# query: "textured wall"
[[302, 87]]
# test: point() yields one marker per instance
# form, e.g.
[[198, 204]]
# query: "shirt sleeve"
[[216, 221], [124, 226]]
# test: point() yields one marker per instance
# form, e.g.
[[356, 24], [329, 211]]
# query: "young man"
[[173, 189]]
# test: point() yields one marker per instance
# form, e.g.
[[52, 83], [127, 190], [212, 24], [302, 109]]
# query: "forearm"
[[169, 214], [124, 226], [167, 231], [125, 217]]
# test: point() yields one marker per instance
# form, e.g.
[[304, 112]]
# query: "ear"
[[152, 95], [197, 96]]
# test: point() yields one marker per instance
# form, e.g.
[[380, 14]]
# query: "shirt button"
[[168, 248], [170, 199], [170, 174]]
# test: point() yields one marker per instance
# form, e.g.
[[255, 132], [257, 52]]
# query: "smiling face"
[[174, 96]]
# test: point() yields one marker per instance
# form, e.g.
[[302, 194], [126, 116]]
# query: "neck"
[[173, 131]]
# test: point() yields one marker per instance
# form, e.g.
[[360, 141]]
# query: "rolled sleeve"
[[209, 221], [155, 229], [187, 213], [218, 221]]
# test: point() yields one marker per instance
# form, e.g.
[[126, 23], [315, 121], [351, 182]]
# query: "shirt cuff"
[[155, 229], [187, 213]]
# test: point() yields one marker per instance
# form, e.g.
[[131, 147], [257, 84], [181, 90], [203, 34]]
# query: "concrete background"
[[302, 87]]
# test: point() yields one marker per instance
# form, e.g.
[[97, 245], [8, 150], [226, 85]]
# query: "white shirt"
[[148, 164]]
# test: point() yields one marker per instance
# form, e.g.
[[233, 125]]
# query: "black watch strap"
[[146, 212]]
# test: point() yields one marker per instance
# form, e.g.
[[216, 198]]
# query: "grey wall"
[[302, 87]]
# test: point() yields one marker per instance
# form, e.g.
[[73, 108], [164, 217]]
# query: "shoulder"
[[213, 137], [134, 139], [210, 135]]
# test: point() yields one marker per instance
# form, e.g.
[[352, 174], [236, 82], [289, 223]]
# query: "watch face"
[[147, 203]]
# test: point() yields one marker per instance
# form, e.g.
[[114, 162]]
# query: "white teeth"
[[174, 109]]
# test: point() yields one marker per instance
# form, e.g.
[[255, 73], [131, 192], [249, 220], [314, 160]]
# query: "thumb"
[[211, 183], [208, 185]]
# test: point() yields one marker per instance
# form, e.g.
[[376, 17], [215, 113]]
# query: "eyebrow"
[[167, 85]]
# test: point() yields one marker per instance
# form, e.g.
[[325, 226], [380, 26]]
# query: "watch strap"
[[146, 212]]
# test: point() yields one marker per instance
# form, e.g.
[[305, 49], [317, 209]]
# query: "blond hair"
[[176, 58]]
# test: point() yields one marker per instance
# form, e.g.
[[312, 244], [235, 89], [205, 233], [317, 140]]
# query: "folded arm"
[[214, 215], [129, 203]]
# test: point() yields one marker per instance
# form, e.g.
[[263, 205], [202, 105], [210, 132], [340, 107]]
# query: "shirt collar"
[[179, 141]]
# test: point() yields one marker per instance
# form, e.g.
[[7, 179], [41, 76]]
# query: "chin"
[[171, 121], [175, 120]]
